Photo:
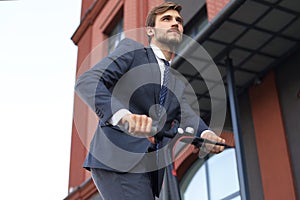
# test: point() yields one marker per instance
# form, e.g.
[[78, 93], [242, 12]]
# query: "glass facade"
[[96, 196], [212, 178], [116, 35], [196, 24]]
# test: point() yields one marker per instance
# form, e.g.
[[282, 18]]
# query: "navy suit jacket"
[[129, 78]]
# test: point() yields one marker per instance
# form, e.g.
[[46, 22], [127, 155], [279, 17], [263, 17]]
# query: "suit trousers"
[[122, 186]]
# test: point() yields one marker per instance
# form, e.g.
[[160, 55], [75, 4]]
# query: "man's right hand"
[[139, 125]]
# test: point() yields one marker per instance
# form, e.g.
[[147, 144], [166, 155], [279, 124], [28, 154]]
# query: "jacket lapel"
[[155, 72]]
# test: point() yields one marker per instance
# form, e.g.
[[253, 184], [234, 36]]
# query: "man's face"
[[168, 28]]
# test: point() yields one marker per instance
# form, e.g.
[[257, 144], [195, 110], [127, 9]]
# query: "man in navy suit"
[[125, 88]]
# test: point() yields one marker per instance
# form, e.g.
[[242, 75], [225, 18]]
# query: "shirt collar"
[[158, 53]]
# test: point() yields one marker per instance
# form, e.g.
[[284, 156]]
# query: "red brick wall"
[[135, 12], [214, 7], [85, 5], [154, 3], [78, 152], [77, 175], [273, 154]]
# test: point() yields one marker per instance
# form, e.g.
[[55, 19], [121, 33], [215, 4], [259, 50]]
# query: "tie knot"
[[166, 62]]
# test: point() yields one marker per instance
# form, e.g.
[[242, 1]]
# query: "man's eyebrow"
[[164, 16], [168, 16]]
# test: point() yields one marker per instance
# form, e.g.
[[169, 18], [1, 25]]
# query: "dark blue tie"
[[162, 97], [164, 88]]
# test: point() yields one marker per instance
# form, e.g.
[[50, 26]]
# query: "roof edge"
[[88, 19], [212, 25]]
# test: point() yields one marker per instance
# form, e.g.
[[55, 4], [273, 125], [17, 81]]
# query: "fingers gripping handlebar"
[[176, 131]]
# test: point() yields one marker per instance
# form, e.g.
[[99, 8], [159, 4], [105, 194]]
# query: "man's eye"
[[179, 21], [165, 19]]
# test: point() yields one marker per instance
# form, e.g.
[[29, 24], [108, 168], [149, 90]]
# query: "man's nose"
[[175, 23]]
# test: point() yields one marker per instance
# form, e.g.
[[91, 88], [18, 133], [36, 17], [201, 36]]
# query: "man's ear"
[[150, 31]]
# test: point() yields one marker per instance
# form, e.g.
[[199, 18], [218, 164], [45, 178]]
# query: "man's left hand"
[[211, 148]]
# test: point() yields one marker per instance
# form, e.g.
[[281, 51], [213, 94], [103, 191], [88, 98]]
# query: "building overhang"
[[257, 35]]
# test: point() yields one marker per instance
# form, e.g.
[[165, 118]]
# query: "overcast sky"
[[37, 74]]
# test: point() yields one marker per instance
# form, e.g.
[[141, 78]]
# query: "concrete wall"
[[288, 84], [272, 147], [250, 148]]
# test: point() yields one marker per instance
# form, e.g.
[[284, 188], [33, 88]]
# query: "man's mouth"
[[174, 30]]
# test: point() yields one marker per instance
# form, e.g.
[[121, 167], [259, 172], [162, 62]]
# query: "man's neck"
[[166, 50]]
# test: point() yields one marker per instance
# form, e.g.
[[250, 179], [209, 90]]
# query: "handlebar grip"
[[126, 128]]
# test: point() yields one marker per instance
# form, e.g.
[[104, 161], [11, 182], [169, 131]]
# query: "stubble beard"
[[169, 41]]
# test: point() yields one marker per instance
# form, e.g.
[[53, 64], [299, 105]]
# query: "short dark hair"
[[150, 21]]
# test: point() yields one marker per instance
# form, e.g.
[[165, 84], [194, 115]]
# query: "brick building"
[[255, 45]]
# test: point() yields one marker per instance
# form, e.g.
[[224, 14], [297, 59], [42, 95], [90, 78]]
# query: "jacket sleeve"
[[189, 118], [95, 86]]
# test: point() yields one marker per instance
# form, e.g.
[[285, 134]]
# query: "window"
[[212, 179], [196, 24], [115, 35], [96, 196]]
